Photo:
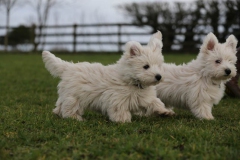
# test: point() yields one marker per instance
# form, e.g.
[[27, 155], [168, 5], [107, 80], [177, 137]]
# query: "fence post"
[[119, 38], [74, 38], [33, 37], [6, 35]]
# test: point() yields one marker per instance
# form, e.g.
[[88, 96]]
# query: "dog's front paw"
[[165, 112], [77, 117], [172, 113], [169, 113], [210, 118], [206, 118]]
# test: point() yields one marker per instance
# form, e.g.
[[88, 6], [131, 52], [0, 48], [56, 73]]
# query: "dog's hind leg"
[[70, 108], [203, 111], [57, 110]]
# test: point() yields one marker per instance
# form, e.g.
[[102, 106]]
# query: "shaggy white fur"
[[200, 83], [116, 90]]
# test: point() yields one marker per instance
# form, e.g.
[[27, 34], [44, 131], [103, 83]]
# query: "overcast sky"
[[74, 11]]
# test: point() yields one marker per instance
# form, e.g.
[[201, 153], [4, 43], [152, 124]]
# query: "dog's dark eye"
[[218, 61], [146, 66]]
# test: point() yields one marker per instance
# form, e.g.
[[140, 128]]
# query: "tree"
[[232, 18], [161, 16], [192, 19], [8, 5], [223, 16], [213, 13], [19, 36], [42, 8], [190, 24]]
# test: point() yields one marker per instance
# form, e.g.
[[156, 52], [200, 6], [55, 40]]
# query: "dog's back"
[[176, 80]]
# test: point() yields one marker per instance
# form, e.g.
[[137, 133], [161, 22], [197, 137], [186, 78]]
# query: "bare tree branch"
[[43, 8], [8, 5]]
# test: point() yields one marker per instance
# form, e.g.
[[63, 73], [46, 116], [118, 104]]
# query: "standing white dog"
[[116, 90], [200, 83]]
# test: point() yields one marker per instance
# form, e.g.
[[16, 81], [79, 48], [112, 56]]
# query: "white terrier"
[[116, 90], [200, 83]]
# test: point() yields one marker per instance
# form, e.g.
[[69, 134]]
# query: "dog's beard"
[[138, 84], [222, 77]]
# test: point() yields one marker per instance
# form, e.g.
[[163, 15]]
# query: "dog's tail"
[[54, 65]]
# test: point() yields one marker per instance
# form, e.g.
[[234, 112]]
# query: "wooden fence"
[[118, 34], [39, 36]]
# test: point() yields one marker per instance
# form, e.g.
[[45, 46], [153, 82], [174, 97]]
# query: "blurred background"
[[105, 26]]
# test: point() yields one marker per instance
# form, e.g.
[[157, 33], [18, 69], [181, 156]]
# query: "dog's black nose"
[[227, 71], [158, 77]]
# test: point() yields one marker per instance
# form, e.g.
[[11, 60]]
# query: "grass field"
[[29, 130]]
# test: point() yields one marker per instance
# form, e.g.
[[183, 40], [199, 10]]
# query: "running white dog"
[[200, 83], [116, 90]]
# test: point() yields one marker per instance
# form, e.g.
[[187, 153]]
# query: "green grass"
[[29, 130]]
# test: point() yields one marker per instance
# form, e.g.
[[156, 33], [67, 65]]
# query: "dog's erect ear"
[[155, 41], [133, 48], [231, 42], [209, 43], [157, 35]]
